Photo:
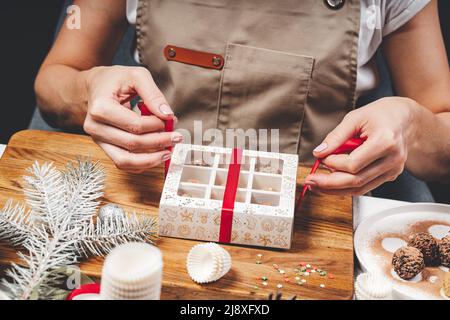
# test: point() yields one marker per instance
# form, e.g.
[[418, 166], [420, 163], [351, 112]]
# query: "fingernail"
[[311, 183], [166, 156], [165, 109], [321, 147], [177, 138]]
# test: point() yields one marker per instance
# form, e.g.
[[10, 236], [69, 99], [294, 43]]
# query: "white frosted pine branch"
[[44, 254], [45, 194], [59, 227], [100, 238], [52, 245], [16, 223], [84, 186]]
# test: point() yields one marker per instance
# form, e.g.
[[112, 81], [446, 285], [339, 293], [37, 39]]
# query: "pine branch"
[[53, 243], [100, 239], [16, 223], [59, 228], [84, 185], [45, 194], [45, 254]]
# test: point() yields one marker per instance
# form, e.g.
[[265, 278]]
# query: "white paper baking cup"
[[207, 262], [3, 296], [88, 296], [132, 271], [370, 286], [112, 292]]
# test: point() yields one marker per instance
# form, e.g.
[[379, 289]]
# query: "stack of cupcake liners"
[[132, 272], [207, 262]]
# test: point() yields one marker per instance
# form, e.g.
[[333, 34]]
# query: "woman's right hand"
[[135, 143]]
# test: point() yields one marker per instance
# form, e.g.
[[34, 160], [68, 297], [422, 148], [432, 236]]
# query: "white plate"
[[397, 220]]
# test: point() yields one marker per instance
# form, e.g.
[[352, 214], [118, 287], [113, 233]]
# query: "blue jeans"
[[405, 188]]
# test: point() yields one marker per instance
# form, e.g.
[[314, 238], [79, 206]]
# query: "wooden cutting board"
[[323, 233]]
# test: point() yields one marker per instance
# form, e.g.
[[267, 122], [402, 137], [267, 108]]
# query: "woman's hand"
[[387, 126], [133, 142]]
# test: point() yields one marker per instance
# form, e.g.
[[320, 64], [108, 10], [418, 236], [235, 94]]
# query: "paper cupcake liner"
[[208, 262], [118, 295], [132, 271], [110, 287], [155, 280], [3, 296], [88, 296], [153, 296], [109, 291], [372, 287]]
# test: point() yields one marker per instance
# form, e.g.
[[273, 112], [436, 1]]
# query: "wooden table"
[[323, 228]]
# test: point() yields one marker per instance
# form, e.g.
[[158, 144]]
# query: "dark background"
[[26, 34], [27, 30]]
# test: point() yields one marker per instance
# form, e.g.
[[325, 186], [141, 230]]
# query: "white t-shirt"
[[378, 19]]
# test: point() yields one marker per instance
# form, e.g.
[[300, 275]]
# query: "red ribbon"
[[84, 289], [169, 126], [229, 196]]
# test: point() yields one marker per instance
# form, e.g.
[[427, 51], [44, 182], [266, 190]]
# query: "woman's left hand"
[[386, 126]]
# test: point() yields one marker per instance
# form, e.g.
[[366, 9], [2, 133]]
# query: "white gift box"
[[192, 198]]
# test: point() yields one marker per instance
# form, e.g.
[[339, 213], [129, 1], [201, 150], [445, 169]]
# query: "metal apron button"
[[216, 61], [334, 4], [172, 53]]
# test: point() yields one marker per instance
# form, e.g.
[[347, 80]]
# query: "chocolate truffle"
[[408, 262], [427, 245], [444, 251]]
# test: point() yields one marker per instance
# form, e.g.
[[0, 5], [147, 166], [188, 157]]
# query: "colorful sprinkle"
[[265, 283], [303, 280], [282, 271], [259, 255], [331, 276], [264, 278], [322, 285], [306, 274], [297, 278], [279, 286], [308, 266]]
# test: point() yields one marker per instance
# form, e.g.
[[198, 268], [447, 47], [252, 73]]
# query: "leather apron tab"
[[193, 57]]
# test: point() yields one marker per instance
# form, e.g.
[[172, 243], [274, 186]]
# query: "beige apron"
[[289, 64]]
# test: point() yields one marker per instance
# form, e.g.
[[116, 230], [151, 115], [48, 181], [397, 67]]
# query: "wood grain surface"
[[323, 233]]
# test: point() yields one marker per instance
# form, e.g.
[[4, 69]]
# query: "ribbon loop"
[[169, 127], [229, 196]]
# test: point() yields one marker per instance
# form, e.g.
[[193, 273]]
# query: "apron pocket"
[[264, 89]]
